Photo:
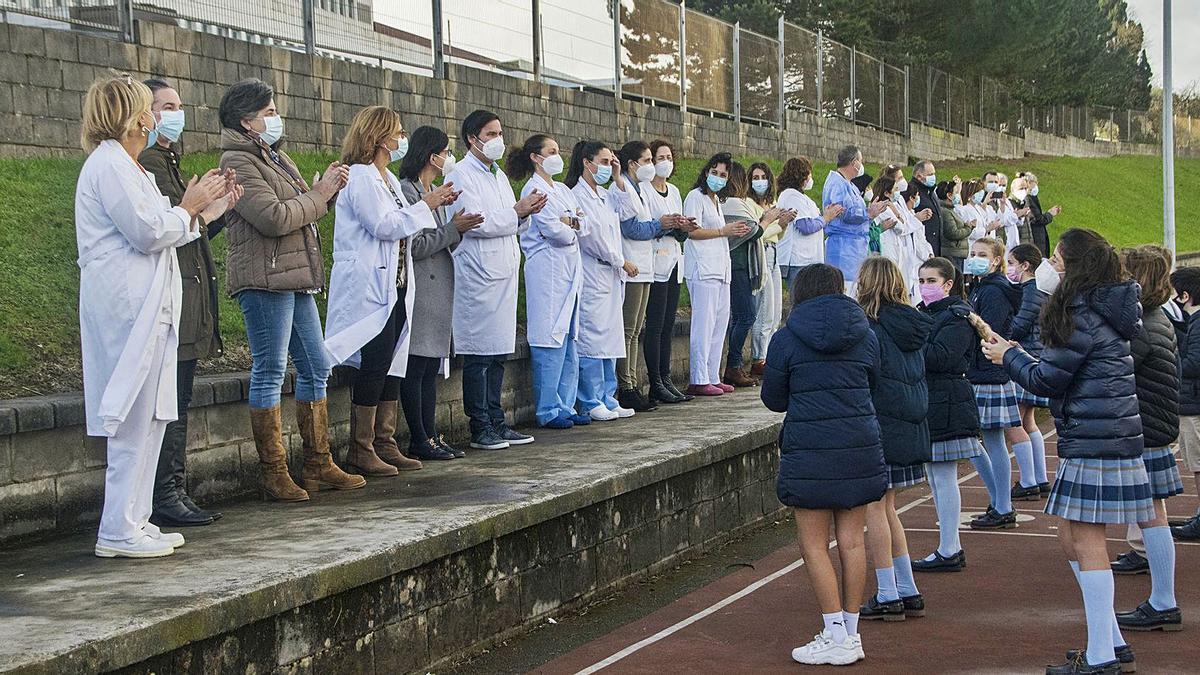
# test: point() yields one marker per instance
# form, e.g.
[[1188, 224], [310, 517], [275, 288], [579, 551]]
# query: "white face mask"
[[553, 164], [1033, 191], [1046, 277], [869, 195], [808, 184], [645, 172], [447, 164], [1019, 195], [272, 130], [493, 149], [664, 169], [901, 186]]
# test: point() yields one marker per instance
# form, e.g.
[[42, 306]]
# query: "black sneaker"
[[429, 450], [1124, 657], [1044, 488], [1189, 532], [1077, 665], [1144, 617], [914, 606], [993, 520], [440, 441], [513, 437], [488, 440], [1130, 562], [875, 610], [940, 563], [1025, 494]]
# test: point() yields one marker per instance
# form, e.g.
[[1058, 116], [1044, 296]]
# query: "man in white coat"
[[485, 277]]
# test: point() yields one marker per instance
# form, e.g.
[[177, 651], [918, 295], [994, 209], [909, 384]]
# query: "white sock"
[[1025, 463], [906, 585], [1039, 456], [885, 579], [1118, 641], [851, 622], [1160, 551], [835, 625], [1097, 588]]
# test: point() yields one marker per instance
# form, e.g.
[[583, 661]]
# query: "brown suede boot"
[[362, 455], [737, 378], [319, 470], [274, 480], [756, 368], [385, 438]]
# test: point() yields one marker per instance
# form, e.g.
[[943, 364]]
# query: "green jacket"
[[199, 328], [954, 233]]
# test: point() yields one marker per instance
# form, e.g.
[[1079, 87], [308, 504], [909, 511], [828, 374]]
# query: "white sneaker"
[[823, 651], [602, 414], [173, 538], [623, 412], [143, 547]]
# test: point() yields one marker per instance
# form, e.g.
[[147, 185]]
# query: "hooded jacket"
[[900, 395], [1187, 334], [996, 300], [949, 352], [820, 370], [1026, 325], [1156, 371], [1090, 380]]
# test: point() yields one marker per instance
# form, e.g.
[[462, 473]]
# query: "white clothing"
[[601, 321], [982, 217], [486, 261], [707, 258], [1012, 226], [667, 250], [640, 252], [129, 284], [553, 267], [367, 229], [905, 245], [769, 305], [795, 248], [710, 319]]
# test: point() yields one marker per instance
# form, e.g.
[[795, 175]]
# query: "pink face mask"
[[931, 293], [1014, 276]]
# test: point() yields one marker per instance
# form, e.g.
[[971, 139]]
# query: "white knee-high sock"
[[997, 452], [943, 477], [1097, 588], [1039, 456], [1024, 454], [1160, 551], [1118, 641], [885, 579]]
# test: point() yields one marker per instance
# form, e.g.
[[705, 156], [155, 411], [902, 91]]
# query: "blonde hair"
[[996, 248], [112, 108], [880, 282], [1150, 268], [371, 127]]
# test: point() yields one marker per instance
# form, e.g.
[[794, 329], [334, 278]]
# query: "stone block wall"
[[984, 142], [932, 143]]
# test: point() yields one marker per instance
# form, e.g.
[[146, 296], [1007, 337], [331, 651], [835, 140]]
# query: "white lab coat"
[[796, 249], [486, 261], [982, 217], [601, 322], [668, 253], [1011, 223], [553, 267], [129, 284], [367, 229], [905, 245], [705, 258], [640, 252]]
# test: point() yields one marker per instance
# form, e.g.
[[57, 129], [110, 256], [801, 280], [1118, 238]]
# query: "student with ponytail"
[[1023, 261], [1087, 371]]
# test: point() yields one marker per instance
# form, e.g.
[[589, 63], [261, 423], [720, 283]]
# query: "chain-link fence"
[[654, 50]]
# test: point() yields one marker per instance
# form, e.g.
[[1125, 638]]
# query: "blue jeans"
[[597, 383], [743, 310], [278, 324], [555, 380], [483, 377]]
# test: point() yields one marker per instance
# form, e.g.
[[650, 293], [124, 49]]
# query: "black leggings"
[[418, 397], [660, 327], [372, 384]]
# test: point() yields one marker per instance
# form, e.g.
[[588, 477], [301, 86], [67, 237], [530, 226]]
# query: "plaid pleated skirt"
[[956, 449], [1114, 491], [997, 405], [905, 476], [1163, 472], [1023, 396]]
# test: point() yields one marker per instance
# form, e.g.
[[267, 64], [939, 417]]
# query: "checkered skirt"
[[956, 449], [1163, 471], [1023, 396], [905, 476], [1089, 490], [997, 405]]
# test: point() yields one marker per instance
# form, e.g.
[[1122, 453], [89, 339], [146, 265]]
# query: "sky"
[[1185, 15]]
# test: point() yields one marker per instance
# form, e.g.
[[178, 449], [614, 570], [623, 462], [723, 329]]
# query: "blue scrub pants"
[[597, 383], [555, 380]]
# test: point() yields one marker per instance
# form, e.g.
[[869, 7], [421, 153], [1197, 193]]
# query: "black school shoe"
[[875, 610], [993, 520], [1077, 665], [1026, 494], [1189, 532], [1044, 488], [1124, 657], [1144, 617], [941, 563], [1130, 562], [914, 606]]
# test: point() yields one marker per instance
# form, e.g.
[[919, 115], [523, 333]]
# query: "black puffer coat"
[[1090, 381], [1026, 327], [996, 300], [949, 352], [900, 394], [1156, 370], [1187, 334], [820, 369]]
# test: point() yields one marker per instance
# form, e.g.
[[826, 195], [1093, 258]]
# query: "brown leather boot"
[[362, 435], [756, 368], [385, 438], [737, 378], [274, 480], [319, 470]]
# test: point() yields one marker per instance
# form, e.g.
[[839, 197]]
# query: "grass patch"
[[1121, 197]]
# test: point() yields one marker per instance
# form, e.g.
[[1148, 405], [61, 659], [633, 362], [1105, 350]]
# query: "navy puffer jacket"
[[1187, 334], [996, 300], [819, 370], [949, 352], [1156, 371], [900, 395], [1026, 327], [1090, 381]]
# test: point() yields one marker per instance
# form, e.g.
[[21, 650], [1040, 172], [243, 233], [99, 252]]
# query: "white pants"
[[133, 457], [770, 306], [710, 319]]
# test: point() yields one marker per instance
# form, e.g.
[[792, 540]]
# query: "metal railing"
[[658, 51]]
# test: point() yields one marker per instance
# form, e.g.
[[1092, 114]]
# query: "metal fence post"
[[536, 24], [617, 49], [882, 93], [929, 95], [737, 71], [125, 19], [947, 100], [907, 119], [682, 55], [783, 79], [309, 13], [439, 56], [820, 74], [853, 86]]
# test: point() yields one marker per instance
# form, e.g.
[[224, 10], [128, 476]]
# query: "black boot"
[[632, 398], [659, 393], [169, 510], [669, 385]]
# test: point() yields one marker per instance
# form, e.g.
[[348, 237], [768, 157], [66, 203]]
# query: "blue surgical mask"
[[760, 186], [170, 124], [603, 174], [977, 266], [400, 151], [978, 198], [715, 183], [957, 199], [930, 180], [992, 187], [152, 136], [273, 131]]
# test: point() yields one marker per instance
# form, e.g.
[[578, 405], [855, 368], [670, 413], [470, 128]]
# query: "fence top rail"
[[802, 29], [708, 17]]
